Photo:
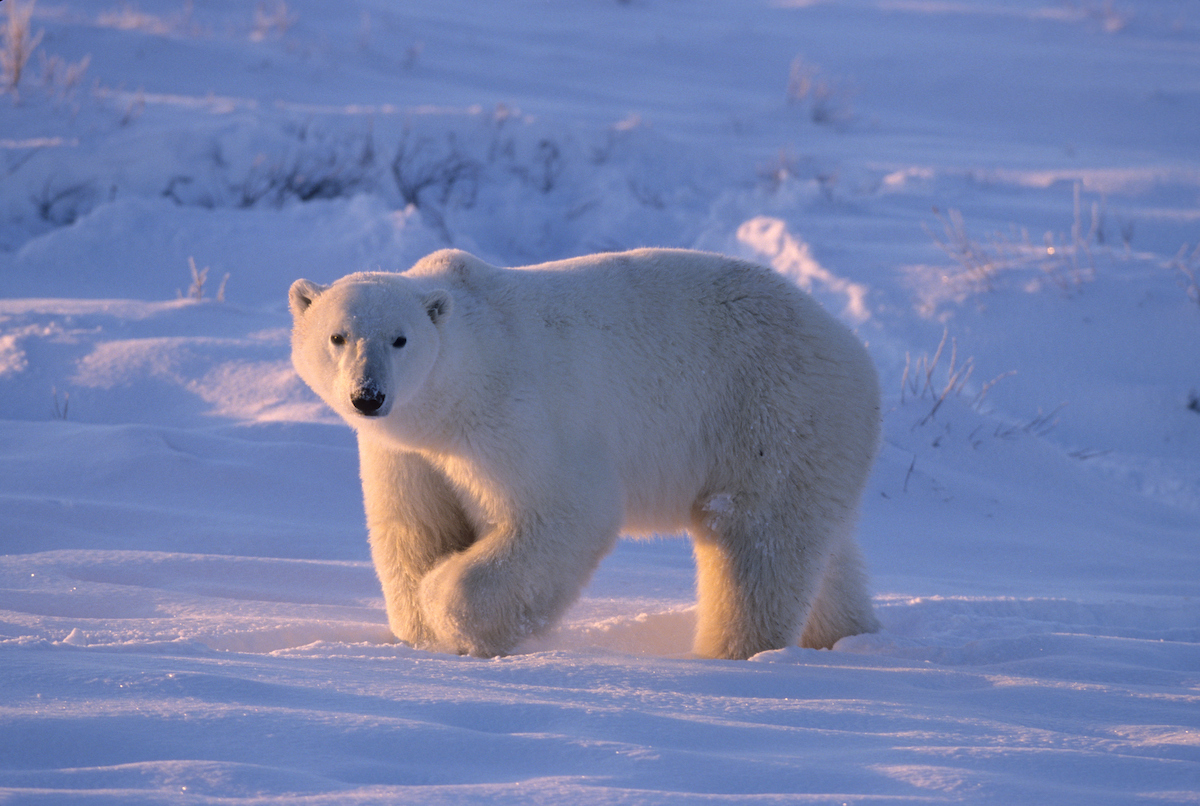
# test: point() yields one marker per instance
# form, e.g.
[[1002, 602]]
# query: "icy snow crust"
[[187, 609]]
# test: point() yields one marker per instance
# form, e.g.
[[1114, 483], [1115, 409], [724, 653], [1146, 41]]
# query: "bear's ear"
[[438, 305], [301, 295]]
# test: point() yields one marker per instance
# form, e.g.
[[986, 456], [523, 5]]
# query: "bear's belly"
[[658, 509]]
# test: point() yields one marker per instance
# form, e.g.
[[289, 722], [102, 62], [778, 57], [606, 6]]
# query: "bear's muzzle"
[[368, 401]]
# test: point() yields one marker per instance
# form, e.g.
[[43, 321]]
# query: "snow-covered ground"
[[187, 609]]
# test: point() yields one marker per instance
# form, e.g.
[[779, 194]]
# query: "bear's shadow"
[[666, 634]]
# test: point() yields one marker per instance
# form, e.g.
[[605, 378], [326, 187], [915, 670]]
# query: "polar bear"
[[511, 422]]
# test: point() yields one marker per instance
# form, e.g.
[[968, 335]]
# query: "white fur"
[[532, 414]]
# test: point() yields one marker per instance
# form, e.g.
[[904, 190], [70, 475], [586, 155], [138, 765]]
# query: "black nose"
[[367, 402]]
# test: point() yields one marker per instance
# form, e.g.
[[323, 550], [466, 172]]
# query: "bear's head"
[[367, 343]]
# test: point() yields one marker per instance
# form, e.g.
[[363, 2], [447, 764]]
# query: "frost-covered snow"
[[187, 609]]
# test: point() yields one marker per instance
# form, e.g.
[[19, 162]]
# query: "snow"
[[187, 609]]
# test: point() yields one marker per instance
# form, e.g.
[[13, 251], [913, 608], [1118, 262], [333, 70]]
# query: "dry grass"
[[18, 44]]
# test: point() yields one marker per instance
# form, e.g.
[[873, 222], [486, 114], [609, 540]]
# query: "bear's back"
[[643, 311], [673, 293]]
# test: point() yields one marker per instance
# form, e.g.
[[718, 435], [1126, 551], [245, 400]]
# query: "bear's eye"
[[399, 342], [337, 339]]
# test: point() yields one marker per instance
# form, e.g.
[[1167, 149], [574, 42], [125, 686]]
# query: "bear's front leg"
[[415, 520], [513, 582]]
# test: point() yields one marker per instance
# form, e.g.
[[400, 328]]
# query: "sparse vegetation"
[[134, 108], [312, 165], [775, 173], [199, 278], [825, 98], [317, 166], [430, 172], [127, 17], [61, 77], [1104, 13], [62, 205], [1039, 425], [60, 408], [1065, 261], [435, 173], [1187, 266], [271, 17], [978, 264], [918, 380], [18, 44]]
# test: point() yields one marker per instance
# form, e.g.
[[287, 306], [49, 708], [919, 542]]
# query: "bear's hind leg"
[[765, 567], [755, 579], [843, 606], [733, 622]]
